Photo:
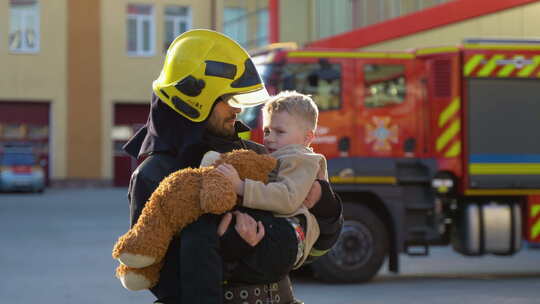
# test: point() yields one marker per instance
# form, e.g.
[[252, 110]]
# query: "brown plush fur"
[[179, 200]]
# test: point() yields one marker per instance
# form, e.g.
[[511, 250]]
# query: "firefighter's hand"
[[314, 195], [250, 230], [224, 224]]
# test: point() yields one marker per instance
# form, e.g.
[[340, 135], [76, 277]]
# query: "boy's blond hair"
[[296, 104]]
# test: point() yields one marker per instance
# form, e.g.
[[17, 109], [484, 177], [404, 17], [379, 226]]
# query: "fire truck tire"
[[360, 250]]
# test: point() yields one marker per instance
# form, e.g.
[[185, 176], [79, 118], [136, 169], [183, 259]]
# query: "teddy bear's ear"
[[210, 158]]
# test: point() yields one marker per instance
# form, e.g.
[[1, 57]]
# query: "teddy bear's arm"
[[217, 193], [138, 278]]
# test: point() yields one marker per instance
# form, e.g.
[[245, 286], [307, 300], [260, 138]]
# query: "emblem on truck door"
[[382, 133]]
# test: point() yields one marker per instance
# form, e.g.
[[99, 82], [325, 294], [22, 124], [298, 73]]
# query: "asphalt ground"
[[56, 248]]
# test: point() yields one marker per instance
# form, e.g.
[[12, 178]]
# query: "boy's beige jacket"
[[298, 167]]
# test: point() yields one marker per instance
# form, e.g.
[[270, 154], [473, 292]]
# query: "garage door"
[[27, 123], [128, 118]]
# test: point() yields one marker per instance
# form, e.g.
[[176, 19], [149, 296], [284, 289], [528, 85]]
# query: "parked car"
[[20, 171]]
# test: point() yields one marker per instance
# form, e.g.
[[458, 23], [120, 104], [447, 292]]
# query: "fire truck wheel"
[[360, 250]]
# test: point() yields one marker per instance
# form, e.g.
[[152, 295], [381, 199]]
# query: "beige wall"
[[41, 76], [84, 135], [519, 22], [129, 79]]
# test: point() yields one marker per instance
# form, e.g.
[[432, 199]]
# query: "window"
[[249, 116], [24, 26], [333, 17], [13, 131], [390, 9], [38, 132], [235, 24], [247, 22], [384, 85], [177, 21], [367, 12], [140, 30], [262, 27], [320, 80]]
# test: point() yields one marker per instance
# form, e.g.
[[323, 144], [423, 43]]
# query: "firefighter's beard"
[[221, 126]]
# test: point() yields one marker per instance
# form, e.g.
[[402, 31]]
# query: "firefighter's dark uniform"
[[193, 269]]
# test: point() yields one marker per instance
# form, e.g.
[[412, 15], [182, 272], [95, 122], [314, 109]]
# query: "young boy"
[[289, 122]]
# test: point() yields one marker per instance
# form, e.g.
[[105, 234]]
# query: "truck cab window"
[[321, 80], [250, 115], [384, 85]]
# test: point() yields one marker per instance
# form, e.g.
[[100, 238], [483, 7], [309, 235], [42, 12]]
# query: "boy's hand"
[[231, 174], [314, 195]]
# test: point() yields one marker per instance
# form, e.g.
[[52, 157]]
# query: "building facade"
[[420, 23], [78, 74]]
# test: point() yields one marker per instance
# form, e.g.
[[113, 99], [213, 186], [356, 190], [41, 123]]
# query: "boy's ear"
[[310, 135]]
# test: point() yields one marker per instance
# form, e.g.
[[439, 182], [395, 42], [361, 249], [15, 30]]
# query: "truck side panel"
[[504, 150]]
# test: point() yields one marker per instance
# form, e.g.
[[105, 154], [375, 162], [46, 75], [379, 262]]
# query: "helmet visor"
[[246, 100]]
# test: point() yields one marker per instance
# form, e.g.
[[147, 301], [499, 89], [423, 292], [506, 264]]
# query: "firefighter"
[[205, 81]]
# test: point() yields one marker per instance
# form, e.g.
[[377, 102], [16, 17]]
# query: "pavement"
[[56, 248]]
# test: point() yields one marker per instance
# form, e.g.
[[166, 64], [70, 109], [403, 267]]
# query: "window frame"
[[262, 35], [238, 23], [176, 20], [35, 13], [139, 29]]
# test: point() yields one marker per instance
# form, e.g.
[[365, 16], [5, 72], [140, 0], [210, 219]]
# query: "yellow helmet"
[[203, 65]]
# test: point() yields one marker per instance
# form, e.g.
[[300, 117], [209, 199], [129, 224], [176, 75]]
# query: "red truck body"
[[437, 144]]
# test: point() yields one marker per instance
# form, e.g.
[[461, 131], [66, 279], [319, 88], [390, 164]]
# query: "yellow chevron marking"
[[507, 69], [448, 134], [526, 71], [472, 63], [503, 169], [490, 66], [535, 210], [535, 230], [449, 111], [455, 150]]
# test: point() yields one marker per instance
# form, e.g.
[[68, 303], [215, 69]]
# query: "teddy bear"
[[179, 200]]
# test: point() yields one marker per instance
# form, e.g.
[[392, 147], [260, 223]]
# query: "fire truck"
[[427, 147]]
